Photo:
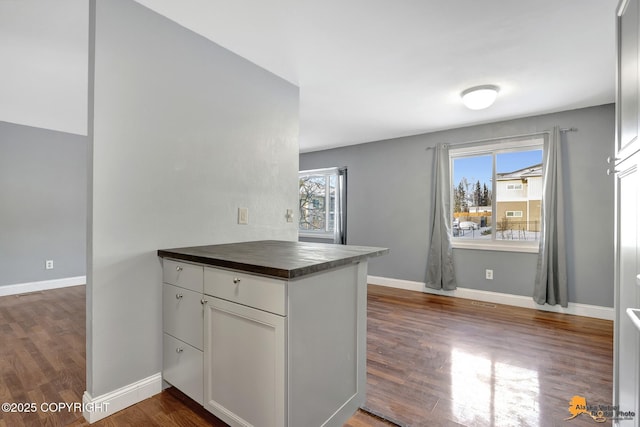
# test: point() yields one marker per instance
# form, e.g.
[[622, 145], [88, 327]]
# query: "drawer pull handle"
[[178, 268], [179, 350], [612, 171], [612, 159], [178, 296], [236, 280], [203, 301]]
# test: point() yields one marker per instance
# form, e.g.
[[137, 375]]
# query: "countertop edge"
[[275, 272]]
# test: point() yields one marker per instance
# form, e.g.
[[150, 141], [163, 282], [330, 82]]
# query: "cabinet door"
[[627, 141], [244, 364], [627, 336]]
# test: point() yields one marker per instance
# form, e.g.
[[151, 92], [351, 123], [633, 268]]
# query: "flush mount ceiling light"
[[479, 97]]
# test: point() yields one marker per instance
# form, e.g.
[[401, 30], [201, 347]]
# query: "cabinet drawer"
[[182, 314], [253, 291], [182, 367], [182, 274]]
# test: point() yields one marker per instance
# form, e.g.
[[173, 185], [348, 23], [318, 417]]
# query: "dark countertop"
[[281, 259]]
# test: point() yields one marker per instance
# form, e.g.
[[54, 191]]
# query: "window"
[[322, 204], [497, 194]]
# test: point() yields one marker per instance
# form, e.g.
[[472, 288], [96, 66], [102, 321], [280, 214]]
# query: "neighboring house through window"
[[497, 194]]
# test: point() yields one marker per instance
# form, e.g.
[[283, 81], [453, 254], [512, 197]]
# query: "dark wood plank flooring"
[[439, 361], [432, 361], [42, 354]]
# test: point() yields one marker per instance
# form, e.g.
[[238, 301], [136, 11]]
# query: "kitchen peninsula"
[[268, 333]]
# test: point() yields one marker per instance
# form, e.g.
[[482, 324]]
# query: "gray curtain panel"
[[440, 274], [551, 276]]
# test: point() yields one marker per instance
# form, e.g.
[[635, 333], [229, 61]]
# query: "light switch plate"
[[243, 216]]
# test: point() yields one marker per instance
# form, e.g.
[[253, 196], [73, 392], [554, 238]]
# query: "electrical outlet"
[[488, 274], [289, 215], [243, 215], [48, 264]]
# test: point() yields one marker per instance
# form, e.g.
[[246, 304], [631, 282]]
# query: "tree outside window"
[[317, 202]]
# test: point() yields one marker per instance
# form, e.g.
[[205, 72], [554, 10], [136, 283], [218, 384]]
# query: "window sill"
[[503, 247], [324, 236]]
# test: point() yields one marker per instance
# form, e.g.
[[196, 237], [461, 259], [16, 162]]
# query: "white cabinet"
[[245, 364], [283, 348], [245, 348], [260, 292], [183, 274], [182, 367], [626, 353], [182, 314], [182, 324], [285, 352], [627, 102], [627, 336]]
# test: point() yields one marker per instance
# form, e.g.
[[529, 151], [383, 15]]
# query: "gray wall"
[[390, 198], [43, 176], [183, 132]]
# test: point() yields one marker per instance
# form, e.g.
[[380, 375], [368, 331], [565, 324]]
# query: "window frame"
[[493, 148], [327, 173]]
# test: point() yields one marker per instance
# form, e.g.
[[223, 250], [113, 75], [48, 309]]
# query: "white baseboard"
[[23, 288], [97, 408], [396, 283], [595, 311]]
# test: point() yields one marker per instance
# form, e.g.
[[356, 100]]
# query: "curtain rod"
[[525, 135]]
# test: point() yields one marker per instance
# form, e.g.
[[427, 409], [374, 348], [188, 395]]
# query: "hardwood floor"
[[436, 361], [432, 361], [42, 354]]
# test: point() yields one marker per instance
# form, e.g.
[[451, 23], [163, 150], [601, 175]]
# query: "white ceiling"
[[44, 57], [377, 69], [367, 69]]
